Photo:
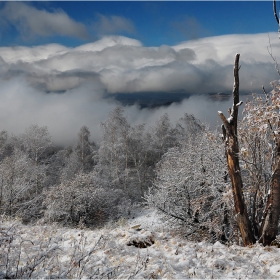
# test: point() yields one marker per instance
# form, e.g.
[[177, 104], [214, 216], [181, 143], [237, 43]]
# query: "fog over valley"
[[65, 88]]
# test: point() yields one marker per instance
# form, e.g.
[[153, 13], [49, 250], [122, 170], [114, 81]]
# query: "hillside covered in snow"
[[142, 247]]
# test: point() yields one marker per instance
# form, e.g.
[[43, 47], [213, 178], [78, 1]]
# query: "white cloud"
[[31, 54], [124, 65], [107, 42], [90, 72], [30, 21], [252, 47]]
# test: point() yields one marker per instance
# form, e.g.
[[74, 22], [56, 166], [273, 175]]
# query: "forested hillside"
[[89, 183]]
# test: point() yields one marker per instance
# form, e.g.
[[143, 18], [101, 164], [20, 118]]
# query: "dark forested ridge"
[[150, 99]]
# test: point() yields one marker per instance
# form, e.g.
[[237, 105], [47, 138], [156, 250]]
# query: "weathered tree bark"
[[269, 227], [232, 150]]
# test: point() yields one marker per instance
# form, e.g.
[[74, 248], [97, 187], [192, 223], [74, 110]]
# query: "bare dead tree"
[[229, 128]]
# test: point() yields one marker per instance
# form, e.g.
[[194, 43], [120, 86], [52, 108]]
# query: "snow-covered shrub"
[[259, 158], [41, 254], [192, 188], [83, 200], [18, 197], [24, 258]]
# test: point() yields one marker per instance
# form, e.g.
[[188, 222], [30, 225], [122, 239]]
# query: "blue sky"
[[153, 23]]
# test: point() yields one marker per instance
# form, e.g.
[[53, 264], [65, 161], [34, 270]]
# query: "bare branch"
[[269, 49], [264, 91], [275, 13], [223, 118]]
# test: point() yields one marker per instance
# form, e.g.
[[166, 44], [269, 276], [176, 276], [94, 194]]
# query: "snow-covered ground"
[[49, 251]]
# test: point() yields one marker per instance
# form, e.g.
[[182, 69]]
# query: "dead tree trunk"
[[232, 150], [269, 227]]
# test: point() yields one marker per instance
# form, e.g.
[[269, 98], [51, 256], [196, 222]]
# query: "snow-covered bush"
[[259, 157], [24, 258], [44, 257], [192, 189], [18, 196], [83, 199]]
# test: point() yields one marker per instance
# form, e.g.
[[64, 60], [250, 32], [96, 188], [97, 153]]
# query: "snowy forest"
[[91, 183]]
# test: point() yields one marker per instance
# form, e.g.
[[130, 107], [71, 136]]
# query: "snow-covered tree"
[[138, 170], [191, 188], [113, 152], [81, 157], [16, 188], [162, 137], [85, 149], [36, 140], [187, 125], [260, 153], [256, 149]]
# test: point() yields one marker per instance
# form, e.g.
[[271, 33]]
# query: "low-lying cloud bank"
[[65, 88]]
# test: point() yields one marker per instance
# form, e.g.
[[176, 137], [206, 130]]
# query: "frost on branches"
[[260, 153], [84, 200], [192, 190]]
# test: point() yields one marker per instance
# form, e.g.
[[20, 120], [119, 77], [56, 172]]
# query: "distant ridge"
[[150, 99], [163, 99]]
